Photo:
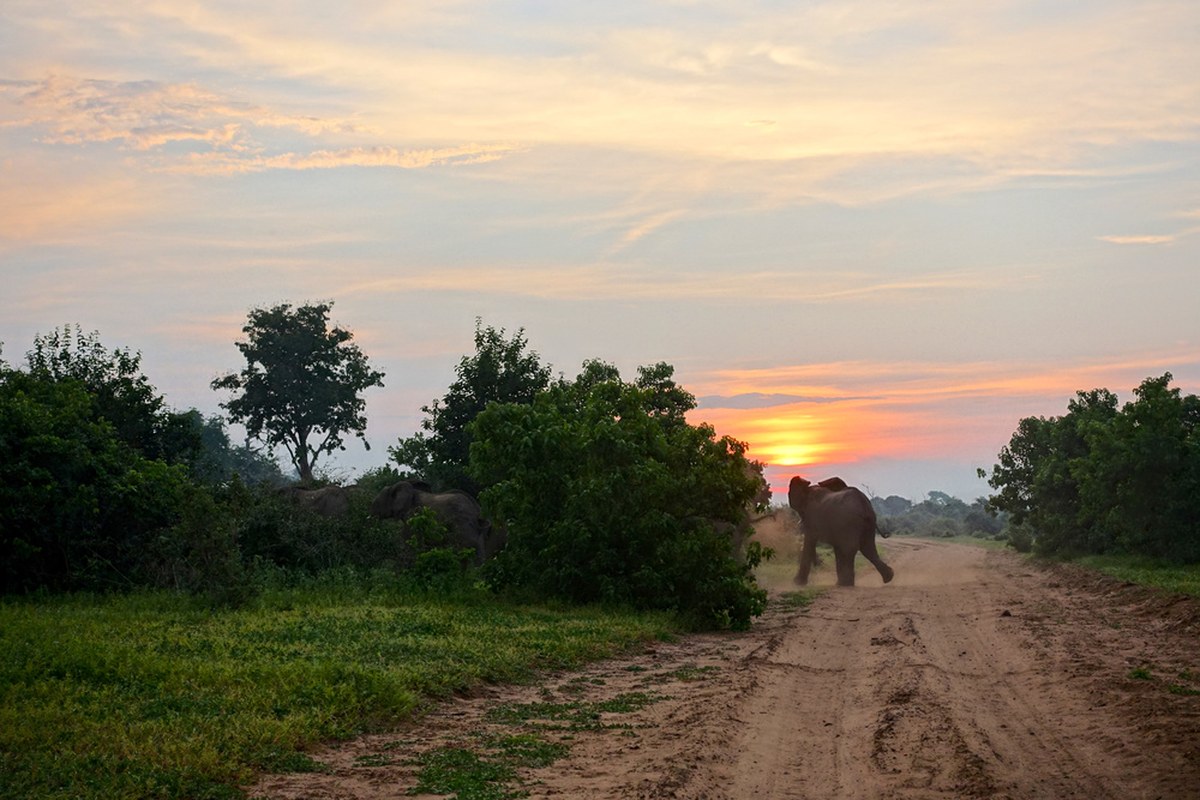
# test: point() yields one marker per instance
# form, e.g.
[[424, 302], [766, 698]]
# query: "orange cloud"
[[813, 415]]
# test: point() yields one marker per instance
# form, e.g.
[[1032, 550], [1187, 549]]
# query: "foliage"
[[120, 393], [301, 384], [609, 495], [152, 696], [1105, 480], [79, 506], [501, 371], [938, 516], [276, 533], [436, 565]]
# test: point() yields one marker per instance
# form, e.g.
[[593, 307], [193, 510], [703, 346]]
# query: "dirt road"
[[972, 675]]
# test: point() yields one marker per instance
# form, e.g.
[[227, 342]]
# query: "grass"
[[975, 541], [151, 696], [1181, 579]]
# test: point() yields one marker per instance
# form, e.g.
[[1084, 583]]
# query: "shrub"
[[609, 495]]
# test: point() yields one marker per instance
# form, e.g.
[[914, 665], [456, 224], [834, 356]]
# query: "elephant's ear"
[[834, 484], [798, 493]]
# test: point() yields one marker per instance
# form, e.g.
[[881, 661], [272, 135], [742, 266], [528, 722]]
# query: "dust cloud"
[[780, 531]]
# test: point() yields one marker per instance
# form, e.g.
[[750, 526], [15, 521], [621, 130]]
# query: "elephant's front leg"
[[845, 566], [808, 554]]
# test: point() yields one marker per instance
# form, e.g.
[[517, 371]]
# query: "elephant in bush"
[[838, 515], [457, 510], [328, 501]]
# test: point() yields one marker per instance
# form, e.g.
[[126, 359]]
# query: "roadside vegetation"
[[1106, 479], [152, 694], [176, 618]]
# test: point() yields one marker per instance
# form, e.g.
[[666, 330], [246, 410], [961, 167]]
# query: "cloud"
[[228, 164], [144, 116], [1161, 239], [754, 400], [620, 282], [809, 415], [147, 115]]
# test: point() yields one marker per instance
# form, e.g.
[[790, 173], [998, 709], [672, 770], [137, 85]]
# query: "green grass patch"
[[1177, 578], [974, 541], [152, 696], [489, 772], [797, 599], [464, 774]]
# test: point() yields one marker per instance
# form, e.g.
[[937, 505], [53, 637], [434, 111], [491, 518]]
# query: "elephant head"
[[397, 501], [838, 515]]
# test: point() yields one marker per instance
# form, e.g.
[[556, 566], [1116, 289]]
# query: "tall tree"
[[502, 370], [302, 383]]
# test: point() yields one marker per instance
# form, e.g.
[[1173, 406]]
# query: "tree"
[[1099, 479], [301, 384], [609, 495], [121, 394], [503, 370]]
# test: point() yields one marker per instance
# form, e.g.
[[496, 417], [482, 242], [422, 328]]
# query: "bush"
[[609, 495], [1102, 479], [79, 507], [1020, 538]]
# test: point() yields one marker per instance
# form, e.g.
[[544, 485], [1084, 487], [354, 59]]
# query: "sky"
[[870, 236]]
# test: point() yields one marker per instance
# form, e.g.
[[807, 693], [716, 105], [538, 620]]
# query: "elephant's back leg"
[[871, 552]]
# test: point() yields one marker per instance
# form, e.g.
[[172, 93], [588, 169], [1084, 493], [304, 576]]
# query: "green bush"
[[79, 507], [609, 495], [1108, 479]]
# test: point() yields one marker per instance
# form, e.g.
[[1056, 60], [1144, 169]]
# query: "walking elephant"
[[838, 515], [457, 510]]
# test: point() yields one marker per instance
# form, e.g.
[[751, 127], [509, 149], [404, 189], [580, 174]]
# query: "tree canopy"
[[1103, 479], [120, 392], [609, 495], [302, 383], [502, 370]]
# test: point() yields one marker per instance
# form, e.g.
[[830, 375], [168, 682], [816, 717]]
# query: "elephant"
[[456, 509], [841, 517], [328, 501]]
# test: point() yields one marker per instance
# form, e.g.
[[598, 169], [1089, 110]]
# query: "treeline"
[[1106, 478], [938, 515], [604, 490]]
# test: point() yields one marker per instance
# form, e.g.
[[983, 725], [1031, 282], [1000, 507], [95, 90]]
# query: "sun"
[[787, 454]]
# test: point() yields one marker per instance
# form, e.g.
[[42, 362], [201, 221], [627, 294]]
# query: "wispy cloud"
[[1144, 239], [146, 115], [750, 89], [614, 281], [229, 164], [154, 116]]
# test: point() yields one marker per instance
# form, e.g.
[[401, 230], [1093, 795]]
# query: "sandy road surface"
[[972, 675]]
